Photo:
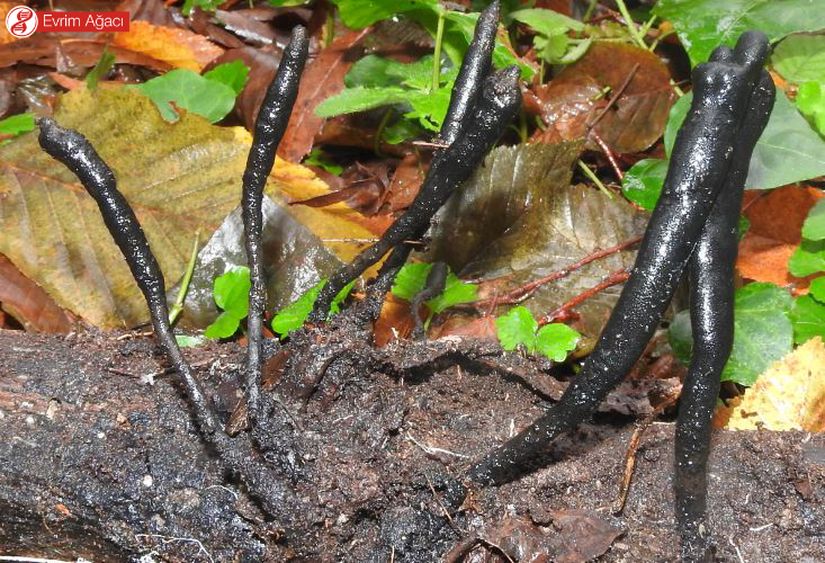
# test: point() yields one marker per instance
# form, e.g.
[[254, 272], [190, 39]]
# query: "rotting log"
[[96, 463]]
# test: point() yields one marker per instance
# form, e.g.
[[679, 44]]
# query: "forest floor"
[[96, 462]]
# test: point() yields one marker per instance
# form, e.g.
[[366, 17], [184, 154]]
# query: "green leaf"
[[808, 259], [187, 341], [680, 336], [231, 291], [762, 332], [234, 74], [547, 22], [788, 151], [101, 68], [458, 33], [455, 292], [810, 99], [373, 71], [642, 184], [817, 289], [190, 91], [358, 14], [400, 131], [225, 326], [556, 341], [517, 328], [429, 108], [292, 317], [317, 157], [17, 124], [205, 5], [702, 25], [800, 58], [353, 100], [808, 317], [287, 3], [410, 280], [814, 226]]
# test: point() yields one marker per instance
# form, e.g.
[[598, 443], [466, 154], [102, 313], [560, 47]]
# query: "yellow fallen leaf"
[[179, 177], [180, 48], [789, 395]]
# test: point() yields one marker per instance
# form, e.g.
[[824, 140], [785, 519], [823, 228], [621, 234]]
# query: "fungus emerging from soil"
[[482, 105], [693, 227], [270, 126]]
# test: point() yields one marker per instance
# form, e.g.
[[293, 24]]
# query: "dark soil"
[[95, 462]]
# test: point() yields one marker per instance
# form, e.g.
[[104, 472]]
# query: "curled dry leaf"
[[179, 48], [776, 219], [29, 304], [789, 395], [638, 116]]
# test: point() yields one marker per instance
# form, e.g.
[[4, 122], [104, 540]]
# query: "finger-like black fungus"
[[711, 275], [270, 126], [474, 69], [495, 108], [74, 150], [699, 166], [467, 90]]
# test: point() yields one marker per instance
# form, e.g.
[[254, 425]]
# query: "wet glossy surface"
[[700, 164], [270, 126]]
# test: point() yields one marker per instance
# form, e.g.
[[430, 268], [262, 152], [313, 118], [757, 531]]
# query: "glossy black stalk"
[[699, 167], [270, 126], [496, 107], [711, 274], [74, 150], [474, 69]]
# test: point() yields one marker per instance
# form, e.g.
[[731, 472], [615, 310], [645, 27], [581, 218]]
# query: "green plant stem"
[[177, 308], [376, 145], [439, 39], [631, 25], [595, 179], [329, 26], [590, 8]]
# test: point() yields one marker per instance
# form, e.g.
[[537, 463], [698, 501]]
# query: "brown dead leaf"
[[776, 219], [789, 395], [584, 535], [322, 78], [44, 49], [151, 11], [638, 116], [29, 304], [179, 48], [262, 63], [406, 181]]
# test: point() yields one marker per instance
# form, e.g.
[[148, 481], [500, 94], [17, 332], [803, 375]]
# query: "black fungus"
[[270, 126]]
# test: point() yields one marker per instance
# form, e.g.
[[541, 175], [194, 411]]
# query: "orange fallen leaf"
[[776, 223], [5, 36], [180, 48], [789, 395]]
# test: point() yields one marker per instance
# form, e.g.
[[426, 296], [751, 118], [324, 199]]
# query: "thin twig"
[[616, 95], [633, 448], [177, 307], [609, 154], [595, 179], [521, 293], [615, 278]]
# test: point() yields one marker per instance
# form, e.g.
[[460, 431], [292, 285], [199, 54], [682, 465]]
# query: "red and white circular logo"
[[21, 21]]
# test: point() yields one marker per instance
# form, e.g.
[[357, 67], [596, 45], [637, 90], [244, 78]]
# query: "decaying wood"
[[95, 462]]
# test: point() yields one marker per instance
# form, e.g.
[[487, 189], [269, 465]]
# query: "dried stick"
[[270, 126]]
